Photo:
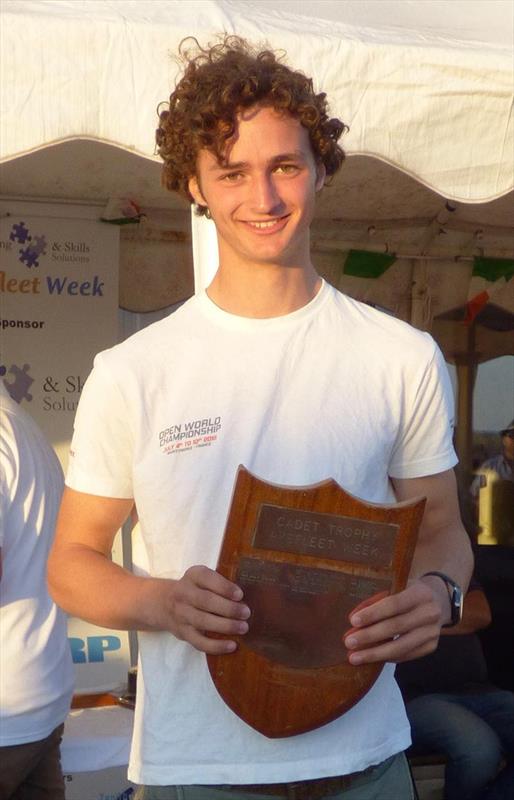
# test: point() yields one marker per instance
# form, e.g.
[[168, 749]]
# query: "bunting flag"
[[364, 264], [488, 285], [120, 211], [493, 268], [474, 306]]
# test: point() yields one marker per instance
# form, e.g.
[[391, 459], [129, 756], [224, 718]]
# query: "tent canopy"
[[434, 105]]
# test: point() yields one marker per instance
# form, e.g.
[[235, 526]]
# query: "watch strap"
[[455, 595]]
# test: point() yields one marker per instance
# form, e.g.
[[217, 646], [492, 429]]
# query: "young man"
[[296, 382]]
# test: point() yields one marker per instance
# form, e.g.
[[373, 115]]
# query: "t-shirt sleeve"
[[4, 485], [8, 470], [424, 444], [102, 445]]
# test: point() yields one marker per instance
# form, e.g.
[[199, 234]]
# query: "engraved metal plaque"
[[327, 535], [300, 614], [305, 557]]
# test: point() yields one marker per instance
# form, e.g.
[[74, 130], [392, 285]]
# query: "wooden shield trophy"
[[305, 557]]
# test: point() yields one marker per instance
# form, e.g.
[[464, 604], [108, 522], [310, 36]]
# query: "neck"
[[267, 293], [262, 289]]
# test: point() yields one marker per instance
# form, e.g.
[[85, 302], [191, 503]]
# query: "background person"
[[496, 477], [455, 709], [36, 673], [297, 382], [502, 464]]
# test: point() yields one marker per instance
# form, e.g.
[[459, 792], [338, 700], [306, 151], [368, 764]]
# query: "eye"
[[232, 177], [287, 169]]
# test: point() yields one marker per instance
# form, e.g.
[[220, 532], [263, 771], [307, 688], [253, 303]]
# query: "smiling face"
[[261, 197]]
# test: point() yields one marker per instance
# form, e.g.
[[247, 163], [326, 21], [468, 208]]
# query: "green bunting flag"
[[493, 268], [364, 264]]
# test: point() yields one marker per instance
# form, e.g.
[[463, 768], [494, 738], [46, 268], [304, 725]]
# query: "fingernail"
[[356, 621], [237, 594], [230, 647], [245, 612], [355, 658], [350, 642], [242, 627]]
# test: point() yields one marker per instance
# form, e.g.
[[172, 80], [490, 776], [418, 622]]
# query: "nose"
[[265, 196]]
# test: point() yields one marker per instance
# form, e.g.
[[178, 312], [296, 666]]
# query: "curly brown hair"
[[217, 82]]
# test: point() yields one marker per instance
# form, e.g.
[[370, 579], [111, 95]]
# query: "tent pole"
[[466, 373]]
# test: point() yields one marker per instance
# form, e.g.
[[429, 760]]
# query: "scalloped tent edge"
[[434, 106]]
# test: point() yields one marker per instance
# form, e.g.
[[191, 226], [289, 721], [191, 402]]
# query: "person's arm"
[[86, 583], [407, 625]]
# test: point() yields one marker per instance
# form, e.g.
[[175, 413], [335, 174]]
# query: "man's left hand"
[[398, 627]]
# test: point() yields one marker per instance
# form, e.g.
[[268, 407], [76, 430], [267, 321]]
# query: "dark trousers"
[[475, 732], [32, 771]]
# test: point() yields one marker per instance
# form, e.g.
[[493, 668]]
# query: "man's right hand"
[[203, 602], [202, 608]]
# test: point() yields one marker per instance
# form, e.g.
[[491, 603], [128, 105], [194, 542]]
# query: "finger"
[[392, 605], [414, 644], [205, 600], [394, 626], [368, 602], [206, 644], [209, 579], [211, 623]]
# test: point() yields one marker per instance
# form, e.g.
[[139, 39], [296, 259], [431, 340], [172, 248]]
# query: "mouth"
[[267, 226]]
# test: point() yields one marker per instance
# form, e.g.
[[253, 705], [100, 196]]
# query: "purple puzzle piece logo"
[[19, 387], [29, 255], [20, 233]]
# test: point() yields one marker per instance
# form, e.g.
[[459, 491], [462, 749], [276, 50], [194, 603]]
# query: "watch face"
[[457, 605]]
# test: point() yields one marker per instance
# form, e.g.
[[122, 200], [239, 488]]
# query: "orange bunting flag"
[[474, 306]]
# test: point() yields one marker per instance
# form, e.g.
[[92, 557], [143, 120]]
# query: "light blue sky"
[[493, 398]]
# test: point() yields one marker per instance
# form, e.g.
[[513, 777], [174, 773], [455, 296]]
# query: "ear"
[[321, 174], [196, 192]]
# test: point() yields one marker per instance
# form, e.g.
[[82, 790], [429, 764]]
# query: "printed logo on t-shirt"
[[188, 436]]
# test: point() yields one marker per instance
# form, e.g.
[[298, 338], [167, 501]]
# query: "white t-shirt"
[[36, 672], [335, 389]]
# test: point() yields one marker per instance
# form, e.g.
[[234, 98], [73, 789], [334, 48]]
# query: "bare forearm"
[[443, 543], [87, 584], [447, 550]]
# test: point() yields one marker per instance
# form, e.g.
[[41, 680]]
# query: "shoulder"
[[17, 427], [381, 331], [23, 446], [152, 341]]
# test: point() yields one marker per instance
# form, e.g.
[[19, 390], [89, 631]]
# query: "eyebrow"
[[295, 155]]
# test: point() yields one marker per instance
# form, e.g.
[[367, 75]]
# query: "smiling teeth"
[[268, 224]]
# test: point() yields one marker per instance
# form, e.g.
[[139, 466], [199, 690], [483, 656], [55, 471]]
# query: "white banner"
[[100, 656], [58, 308]]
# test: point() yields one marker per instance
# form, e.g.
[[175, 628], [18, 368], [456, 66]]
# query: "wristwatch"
[[456, 598]]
